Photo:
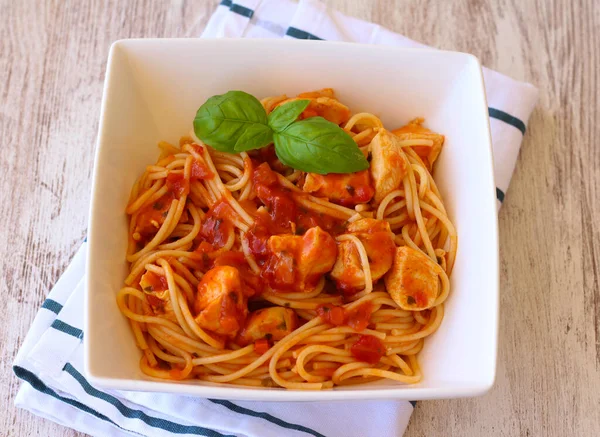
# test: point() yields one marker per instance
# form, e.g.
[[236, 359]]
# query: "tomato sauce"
[[200, 171], [307, 219], [253, 283], [177, 184], [216, 227], [153, 283], [357, 319], [280, 207], [268, 155], [151, 217], [368, 349], [281, 215], [257, 238], [154, 301], [278, 216]]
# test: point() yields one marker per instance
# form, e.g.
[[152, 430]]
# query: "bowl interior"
[[153, 90]]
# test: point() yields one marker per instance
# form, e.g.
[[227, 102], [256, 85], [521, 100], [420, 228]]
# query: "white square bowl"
[[152, 91]]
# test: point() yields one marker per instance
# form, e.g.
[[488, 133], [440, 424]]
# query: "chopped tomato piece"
[[257, 238], [217, 226], [152, 216], [231, 258], [156, 290], [268, 155], [261, 346], [200, 171], [153, 282], [358, 319], [154, 301], [332, 314], [204, 247], [368, 349], [307, 219], [198, 149], [263, 175], [177, 184]]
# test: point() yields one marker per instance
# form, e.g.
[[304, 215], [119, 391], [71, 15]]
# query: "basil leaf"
[[254, 137], [316, 145], [233, 122], [286, 114]]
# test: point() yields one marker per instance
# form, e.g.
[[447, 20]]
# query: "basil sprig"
[[233, 122], [236, 121]]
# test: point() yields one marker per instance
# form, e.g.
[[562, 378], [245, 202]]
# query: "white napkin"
[[50, 360]]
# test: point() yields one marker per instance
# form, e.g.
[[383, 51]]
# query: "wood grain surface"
[[52, 65]]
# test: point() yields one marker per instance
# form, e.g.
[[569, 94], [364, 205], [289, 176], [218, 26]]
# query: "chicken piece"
[[296, 263], [325, 92], [347, 271], [368, 226], [271, 103], [326, 107], [220, 303], [415, 131], [156, 290], [413, 280], [269, 323], [378, 241], [388, 164], [318, 253], [348, 189]]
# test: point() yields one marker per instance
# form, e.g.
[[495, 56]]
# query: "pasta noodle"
[[244, 271]]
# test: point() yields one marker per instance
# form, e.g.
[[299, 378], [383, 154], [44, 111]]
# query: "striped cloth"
[[50, 360]]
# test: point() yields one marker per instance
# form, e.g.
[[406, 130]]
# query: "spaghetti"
[[247, 272]]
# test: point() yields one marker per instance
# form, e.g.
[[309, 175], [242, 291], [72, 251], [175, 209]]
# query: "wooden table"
[[52, 65]]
